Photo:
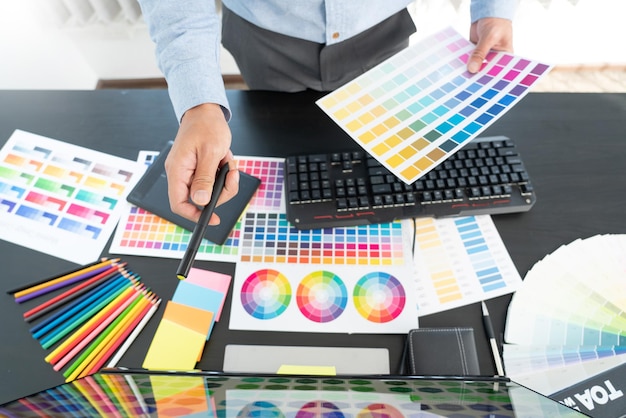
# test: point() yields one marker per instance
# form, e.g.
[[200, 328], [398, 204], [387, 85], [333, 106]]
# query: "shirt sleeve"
[[187, 38], [492, 8]]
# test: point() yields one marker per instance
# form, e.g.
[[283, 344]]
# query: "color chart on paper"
[[323, 298], [460, 261], [270, 238], [53, 193], [353, 279], [566, 323], [420, 106], [143, 233]]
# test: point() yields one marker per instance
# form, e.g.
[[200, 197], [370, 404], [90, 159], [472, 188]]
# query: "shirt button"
[[335, 35]]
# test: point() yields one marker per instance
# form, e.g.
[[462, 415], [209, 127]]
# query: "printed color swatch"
[[53, 193], [459, 261], [420, 106]]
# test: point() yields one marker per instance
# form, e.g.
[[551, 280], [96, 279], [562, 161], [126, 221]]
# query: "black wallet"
[[441, 352], [150, 193]]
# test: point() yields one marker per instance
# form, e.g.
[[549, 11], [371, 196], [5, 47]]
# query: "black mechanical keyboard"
[[487, 176]]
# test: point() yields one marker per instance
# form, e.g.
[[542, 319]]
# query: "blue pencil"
[[48, 341], [81, 303]]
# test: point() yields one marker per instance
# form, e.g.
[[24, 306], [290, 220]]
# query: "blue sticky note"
[[199, 297]]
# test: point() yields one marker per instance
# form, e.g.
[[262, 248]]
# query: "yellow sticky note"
[[307, 370], [173, 348]]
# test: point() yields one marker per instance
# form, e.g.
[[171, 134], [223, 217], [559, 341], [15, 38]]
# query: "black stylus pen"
[[492, 340], [200, 228]]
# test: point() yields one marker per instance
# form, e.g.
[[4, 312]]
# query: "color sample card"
[[270, 238], [142, 233], [420, 106], [460, 261], [569, 315], [53, 193]]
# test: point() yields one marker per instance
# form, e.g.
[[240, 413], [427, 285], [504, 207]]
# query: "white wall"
[[38, 53]]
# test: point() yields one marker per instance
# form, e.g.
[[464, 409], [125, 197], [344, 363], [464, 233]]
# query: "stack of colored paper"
[[187, 321]]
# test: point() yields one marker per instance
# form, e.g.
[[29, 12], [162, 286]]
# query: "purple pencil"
[[61, 284]]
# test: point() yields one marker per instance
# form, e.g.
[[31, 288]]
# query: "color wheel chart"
[[460, 261], [350, 279], [143, 233], [567, 322], [52, 193], [420, 106]]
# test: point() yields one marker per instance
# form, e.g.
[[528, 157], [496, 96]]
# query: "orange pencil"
[[23, 293], [124, 328], [77, 369], [72, 293], [81, 341], [88, 327]]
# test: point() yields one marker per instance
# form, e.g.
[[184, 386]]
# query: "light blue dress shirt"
[[187, 34]]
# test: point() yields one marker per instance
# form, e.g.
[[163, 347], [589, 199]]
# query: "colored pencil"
[[113, 340], [87, 318], [79, 305], [29, 285], [21, 296], [71, 294], [75, 370], [100, 314], [136, 331], [89, 334]]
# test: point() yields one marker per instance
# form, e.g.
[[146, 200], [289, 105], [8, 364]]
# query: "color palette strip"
[[53, 192], [269, 238], [461, 261], [569, 315], [420, 106], [269, 196]]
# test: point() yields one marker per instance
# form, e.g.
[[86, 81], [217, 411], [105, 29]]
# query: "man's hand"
[[489, 33], [202, 145]]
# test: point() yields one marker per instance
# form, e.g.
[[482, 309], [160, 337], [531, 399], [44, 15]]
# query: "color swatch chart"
[[351, 279], [420, 106], [460, 261], [143, 233], [567, 322], [270, 238], [53, 193]]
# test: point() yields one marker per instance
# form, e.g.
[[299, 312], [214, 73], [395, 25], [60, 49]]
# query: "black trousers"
[[272, 61]]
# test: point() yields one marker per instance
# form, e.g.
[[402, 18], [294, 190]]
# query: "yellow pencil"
[[63, 278], [82, 332], [83, 360], [113, 337]]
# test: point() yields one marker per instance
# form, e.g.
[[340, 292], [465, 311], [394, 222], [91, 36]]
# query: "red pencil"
[[72, 293], [117, 340], [85, 333]]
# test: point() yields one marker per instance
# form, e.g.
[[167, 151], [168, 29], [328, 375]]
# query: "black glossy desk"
[[573, 146]]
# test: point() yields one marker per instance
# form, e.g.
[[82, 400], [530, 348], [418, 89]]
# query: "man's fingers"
[[476, 60]]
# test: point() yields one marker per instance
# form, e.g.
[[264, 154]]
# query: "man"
[[281, 45]]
